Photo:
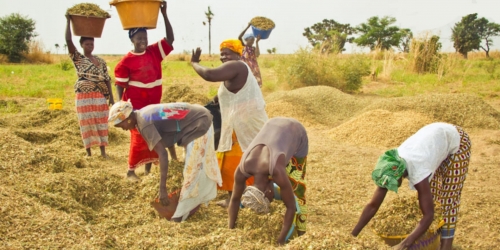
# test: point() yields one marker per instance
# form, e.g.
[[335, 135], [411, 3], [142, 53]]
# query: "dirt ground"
[[52, 196]]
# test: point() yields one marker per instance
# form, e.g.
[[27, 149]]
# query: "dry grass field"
[[53, 196]]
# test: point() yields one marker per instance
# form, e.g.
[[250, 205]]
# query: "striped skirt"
[[448, 181], [92, 111]]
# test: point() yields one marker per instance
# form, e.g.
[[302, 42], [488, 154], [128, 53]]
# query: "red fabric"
[[144, 68], [139, 153]]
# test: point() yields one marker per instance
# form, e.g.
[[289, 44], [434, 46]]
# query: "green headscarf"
[[390, 167]]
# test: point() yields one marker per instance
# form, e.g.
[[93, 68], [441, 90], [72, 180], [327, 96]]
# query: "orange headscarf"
[[232, 44]]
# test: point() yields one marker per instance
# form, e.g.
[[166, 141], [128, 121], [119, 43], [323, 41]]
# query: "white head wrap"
[[120, 111], [255, 199]]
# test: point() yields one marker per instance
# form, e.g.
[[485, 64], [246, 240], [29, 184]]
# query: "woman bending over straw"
[[435, 161], [276, 155], [187, 125]]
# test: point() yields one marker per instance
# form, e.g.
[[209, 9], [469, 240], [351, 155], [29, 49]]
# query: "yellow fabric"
[[228, 163], [232, 44]]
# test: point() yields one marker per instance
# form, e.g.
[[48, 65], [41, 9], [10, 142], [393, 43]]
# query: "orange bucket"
[[87, 26], [137, 13]]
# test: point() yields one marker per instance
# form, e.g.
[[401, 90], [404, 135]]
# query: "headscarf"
[[390, 167], [255, 199], [232, 44], [120, 111], [248, 35], [133, 31]]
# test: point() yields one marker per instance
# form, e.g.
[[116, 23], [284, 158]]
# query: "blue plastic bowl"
[[264, 34]]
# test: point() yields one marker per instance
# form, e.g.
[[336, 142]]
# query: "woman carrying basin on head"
[[251, 53], [139, 79], [92, 89]]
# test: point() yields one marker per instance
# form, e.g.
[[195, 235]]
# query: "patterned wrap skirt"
[[92, 111], [448, 181]]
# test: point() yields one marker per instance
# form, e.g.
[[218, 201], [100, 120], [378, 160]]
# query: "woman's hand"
[[258, 39], [195, 57], [111, 100], [163, 197], [163, 8]]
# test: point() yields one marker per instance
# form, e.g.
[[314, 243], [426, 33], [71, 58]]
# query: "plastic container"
[[430, 240], [137, 13], [264, 34], [87, 26], [55, 103]]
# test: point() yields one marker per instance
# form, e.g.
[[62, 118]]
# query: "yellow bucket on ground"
[[429, 240], [54, 103], [137, 13]]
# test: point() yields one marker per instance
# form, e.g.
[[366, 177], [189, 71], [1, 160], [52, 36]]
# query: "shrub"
[[65, 65], [424, 54], [311, 68], [36, 54]]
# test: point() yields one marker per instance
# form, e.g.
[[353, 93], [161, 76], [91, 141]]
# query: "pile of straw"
[[380, 128], [262, 23], [314, 105], [464, 110], [87, 9], [183, 93], [401, 216]]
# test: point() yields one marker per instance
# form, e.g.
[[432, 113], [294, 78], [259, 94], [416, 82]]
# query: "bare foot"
[[105, 156], [223, 203], [131, 176]]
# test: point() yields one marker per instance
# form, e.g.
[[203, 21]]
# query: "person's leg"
[[89, 152], [446, 244], [103, 152], [296, 171], [457, 168], [147, 168]]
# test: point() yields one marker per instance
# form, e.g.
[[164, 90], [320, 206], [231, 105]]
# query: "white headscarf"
[[120, 111], [255, 199]]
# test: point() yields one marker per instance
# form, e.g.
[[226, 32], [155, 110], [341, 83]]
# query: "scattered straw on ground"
[[463, 110], [52, 195], [183, 93], [380, 128]]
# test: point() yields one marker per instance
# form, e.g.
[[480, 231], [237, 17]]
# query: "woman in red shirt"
[[139, 79]]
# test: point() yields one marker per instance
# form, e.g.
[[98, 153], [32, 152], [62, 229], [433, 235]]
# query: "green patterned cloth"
[[390, 167]]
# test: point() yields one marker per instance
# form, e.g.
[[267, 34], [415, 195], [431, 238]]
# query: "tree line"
[[471, 33], [329, 36]]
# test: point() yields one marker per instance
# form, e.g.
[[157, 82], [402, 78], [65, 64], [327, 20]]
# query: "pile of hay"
[[314, 105], [380, 128], [87, 9], [460, 109], [262, 23], [183, 93], [401, 216]]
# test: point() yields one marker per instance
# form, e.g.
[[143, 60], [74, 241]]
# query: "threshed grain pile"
[[401, 215], [87, 9], [380, 128], [465, 110], [314, 105], [388, 122], [262, 23], [183, 93]]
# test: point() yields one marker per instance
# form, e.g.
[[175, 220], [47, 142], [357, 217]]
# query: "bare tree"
[[209, 16]]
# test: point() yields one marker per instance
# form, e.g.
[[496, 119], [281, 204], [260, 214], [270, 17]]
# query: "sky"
[[232, 16]]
